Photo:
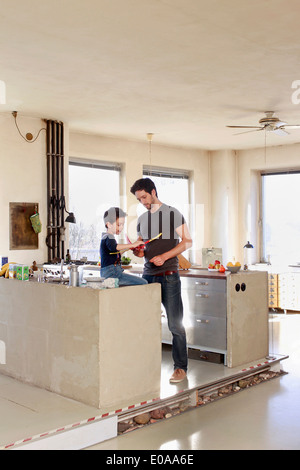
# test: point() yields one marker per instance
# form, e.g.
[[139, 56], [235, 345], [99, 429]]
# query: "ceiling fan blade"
[[280, 131], [292, 126], [245, 127], [254, 130]]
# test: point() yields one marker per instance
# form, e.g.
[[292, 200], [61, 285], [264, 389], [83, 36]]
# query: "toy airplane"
[[141, 247]]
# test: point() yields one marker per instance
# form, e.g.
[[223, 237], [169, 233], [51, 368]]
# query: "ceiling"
[[180, 69]]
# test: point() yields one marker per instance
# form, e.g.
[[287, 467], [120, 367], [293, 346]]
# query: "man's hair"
[[113, 214], [145, 184]]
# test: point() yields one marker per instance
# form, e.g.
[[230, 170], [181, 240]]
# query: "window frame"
[[175, 173], [172, 173], [97, 165], [263, 174]]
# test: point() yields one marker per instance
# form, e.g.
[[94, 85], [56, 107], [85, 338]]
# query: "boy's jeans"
[[171, 300], [124, 279]]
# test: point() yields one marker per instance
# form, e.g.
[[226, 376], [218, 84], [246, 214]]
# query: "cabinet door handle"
[[198, 283], [202, 321], [205, 296]]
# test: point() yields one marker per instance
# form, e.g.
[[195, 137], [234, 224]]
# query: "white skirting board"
[[77, 438]]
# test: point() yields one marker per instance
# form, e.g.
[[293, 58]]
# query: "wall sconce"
[[29, 137], [71, 217]]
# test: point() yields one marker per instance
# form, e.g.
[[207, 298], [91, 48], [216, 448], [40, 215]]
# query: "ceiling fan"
[[269, 123]]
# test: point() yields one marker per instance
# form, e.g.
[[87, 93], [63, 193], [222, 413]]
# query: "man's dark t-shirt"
[[165, 220]]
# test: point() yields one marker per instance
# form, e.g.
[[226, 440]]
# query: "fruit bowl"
[[233, 269], [216, 267]]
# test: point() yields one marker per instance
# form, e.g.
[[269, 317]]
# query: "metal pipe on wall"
[[55, 190], [62, 183], [48, 156], [57, 186]]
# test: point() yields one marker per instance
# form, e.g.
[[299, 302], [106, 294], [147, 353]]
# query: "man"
[[161, 262]]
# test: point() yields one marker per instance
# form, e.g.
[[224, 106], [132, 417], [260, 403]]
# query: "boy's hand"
[[138, 243]]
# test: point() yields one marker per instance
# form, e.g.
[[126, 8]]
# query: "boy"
[[114, 219]]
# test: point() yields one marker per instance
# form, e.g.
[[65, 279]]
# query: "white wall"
[[235, 195], [225, 184], [133, 155], [22, 179], [224, 203], [251, 164]]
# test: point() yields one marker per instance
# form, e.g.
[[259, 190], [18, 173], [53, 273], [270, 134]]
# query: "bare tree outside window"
[[93, 188]]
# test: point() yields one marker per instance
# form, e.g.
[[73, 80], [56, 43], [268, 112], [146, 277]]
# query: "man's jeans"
[[124, 278], [171, 300]]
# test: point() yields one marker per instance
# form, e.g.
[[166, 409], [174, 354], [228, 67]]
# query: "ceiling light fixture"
[[149, 137], [2, 92], [29, 137]]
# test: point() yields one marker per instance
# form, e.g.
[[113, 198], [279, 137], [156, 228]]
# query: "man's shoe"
[[178, 376]]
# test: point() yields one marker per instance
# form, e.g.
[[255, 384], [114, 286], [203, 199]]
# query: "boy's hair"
[[113, 214], [145, 184]]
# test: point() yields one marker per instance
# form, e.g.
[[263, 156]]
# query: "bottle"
[[74, 276], [68, 257]]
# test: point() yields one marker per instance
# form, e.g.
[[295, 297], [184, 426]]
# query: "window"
[[281, 218], [93, 188], [172, 189]]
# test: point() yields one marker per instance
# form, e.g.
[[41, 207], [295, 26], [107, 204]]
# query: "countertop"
[[203, 272], [192, 272], [196, 271]]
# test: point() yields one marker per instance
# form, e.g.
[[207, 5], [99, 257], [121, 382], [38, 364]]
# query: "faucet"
[[62, 270]]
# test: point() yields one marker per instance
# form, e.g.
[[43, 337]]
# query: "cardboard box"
[[3, 260], [12, 271], [22, 272]]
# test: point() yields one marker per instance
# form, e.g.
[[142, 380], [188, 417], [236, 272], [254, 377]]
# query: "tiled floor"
[[264, 417]]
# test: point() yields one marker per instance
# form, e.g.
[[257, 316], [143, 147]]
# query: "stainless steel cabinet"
[[227, 314], [204, 301]]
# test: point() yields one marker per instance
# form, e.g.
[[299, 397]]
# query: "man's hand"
[[138, 252], [158, 260]]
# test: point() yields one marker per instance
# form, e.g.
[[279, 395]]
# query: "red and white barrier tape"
[[257, 365], [79, 423], [103, 416]]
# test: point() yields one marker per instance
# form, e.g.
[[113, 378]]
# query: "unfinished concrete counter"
[[101, 347], [247, 317]]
